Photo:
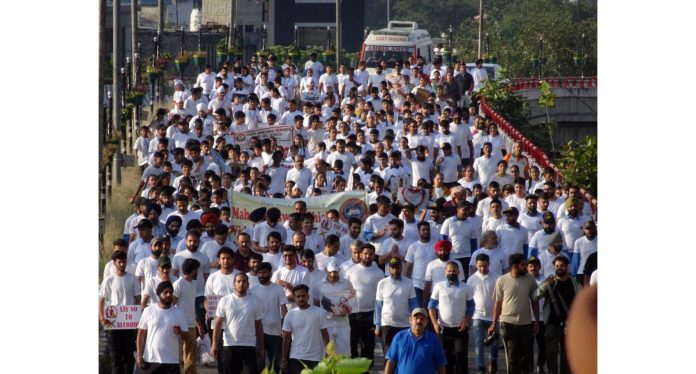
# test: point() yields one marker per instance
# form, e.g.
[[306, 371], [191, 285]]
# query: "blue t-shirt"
[[416, 355]]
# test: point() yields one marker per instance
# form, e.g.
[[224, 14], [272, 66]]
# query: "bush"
[[578, 163]]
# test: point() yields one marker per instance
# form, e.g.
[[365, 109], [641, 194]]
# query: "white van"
[[398, 41]]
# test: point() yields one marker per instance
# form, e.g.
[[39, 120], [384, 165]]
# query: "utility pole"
[[480, 27], [115, 75], [160, 16], [338, 33], [134, 39]]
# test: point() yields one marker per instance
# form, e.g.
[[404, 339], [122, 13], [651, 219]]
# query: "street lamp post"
[[138, 73], [450, 41], [297, 36], [183, 39], [328, 38], [265, 35], [541, 55]]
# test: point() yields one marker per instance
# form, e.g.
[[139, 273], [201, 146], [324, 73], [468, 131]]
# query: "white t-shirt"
[[120, 290], [375, 223], [531, 223], [298, 275], [435, 271], [271, 297], [421, 169], [364, 280], [322, 291], [150, 288], [497, 260], [219, 284], [162, 344], [203, 269], [451, 302], [511, 239], [459, 233], [483, 287], [585, 248], [485, 168], [239, 314], [147, 268], [262, 230], [395, 295], [305, 326], [420, 254], [185, 293], [387, 245], [571, 228]]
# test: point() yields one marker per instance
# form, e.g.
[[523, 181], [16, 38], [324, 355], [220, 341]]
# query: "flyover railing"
[[536, 155]]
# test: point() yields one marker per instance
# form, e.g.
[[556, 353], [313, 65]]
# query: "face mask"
[[452, 278]]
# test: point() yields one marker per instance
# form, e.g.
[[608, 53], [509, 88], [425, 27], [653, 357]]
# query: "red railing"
[[564, 82], [537, 154]]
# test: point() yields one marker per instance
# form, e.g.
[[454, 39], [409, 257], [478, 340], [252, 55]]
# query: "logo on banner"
[[353, 208]]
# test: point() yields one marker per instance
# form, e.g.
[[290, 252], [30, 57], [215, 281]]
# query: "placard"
[[122, 317], [212, 304], [339, 303]]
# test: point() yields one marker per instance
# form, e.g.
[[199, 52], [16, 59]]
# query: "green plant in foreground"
[[334, 364]]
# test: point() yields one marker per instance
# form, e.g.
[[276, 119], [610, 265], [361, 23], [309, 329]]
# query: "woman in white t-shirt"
[[496, 140]]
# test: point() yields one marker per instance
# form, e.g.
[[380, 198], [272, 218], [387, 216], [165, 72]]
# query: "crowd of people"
[[497, 252]]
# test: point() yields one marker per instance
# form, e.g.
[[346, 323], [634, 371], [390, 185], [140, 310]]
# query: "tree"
[[515, 28], [547, 100], [578, 163]]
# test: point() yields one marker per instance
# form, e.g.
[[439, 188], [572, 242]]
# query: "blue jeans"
[[480, 333]]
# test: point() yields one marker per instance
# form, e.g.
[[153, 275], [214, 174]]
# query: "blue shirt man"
[[416, 350]]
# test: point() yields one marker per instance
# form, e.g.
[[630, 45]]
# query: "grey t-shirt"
[[516, 296]]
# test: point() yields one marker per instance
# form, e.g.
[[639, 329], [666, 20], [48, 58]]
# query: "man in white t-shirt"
[[291, 274], [435, 271], [273, 300], [480, 75], [363, 277], [583, 248], [306, 326], [451, 307], [483, 286], [242, 316], [160, 327], [394, 300], [512, 236], [418, 255], [394, 246], [332, 294], [120, 288], [462, 233], [185, 300], [328, 79], [376, 228], [206, 80], [192, 246], [498, 262]]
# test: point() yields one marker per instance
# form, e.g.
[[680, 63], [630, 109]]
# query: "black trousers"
[[390, 332], [295, 366], [234, 358], [541, 346], [121, 345], [157, 368], [519, 347], [456, 346], [362, 329]]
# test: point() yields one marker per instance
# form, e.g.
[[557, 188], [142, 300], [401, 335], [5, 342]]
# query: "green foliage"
[[515, 27], [546, 97], [578, 163], [434, 16], [503, 99], [334, 364]]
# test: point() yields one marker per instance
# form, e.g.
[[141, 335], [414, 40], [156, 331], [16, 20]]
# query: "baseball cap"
[[394, 261], [419, 310], [533, 260], [511, 210], [332, 266], [156, 240], [164, 261]]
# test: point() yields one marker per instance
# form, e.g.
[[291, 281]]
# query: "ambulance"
[[398, 41]]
